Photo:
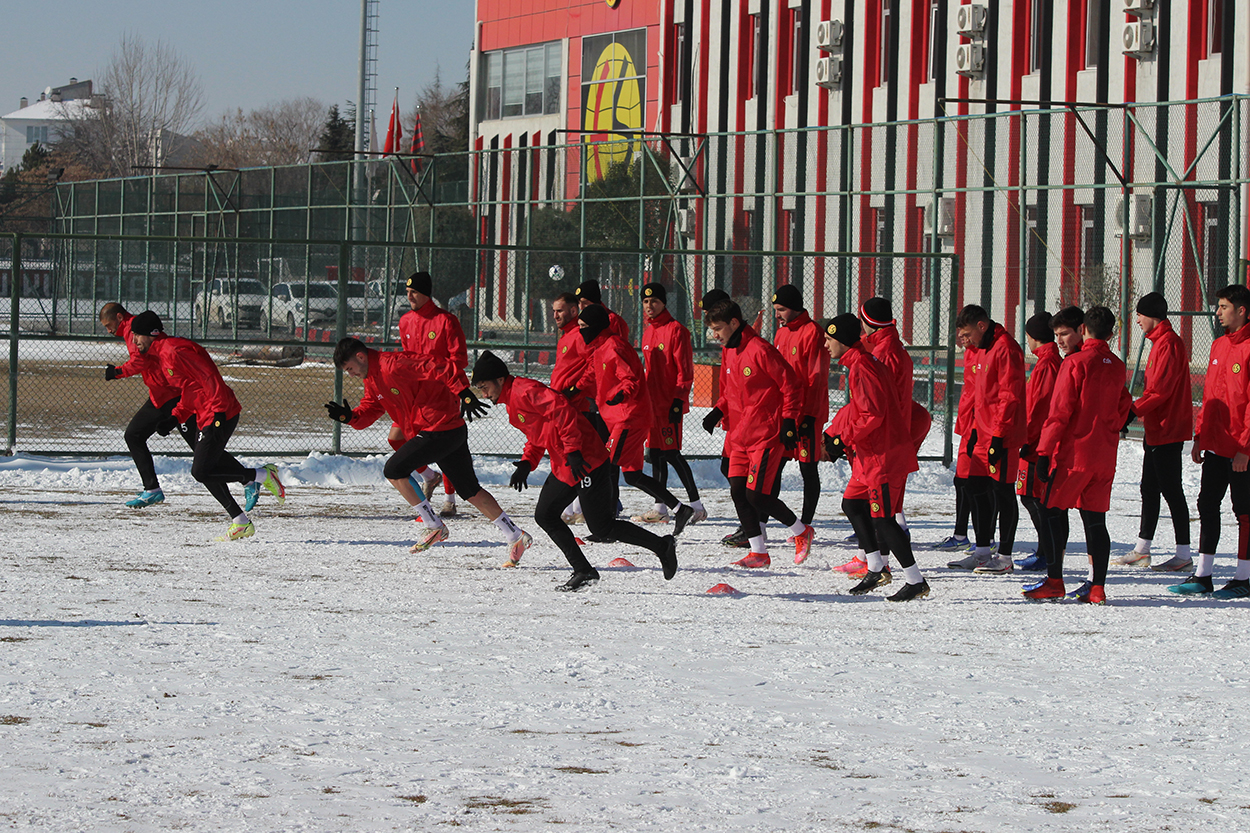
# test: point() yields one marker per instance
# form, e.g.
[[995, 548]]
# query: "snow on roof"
[[48, 110]]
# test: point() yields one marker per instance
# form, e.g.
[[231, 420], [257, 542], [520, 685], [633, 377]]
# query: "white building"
[[40, 121]]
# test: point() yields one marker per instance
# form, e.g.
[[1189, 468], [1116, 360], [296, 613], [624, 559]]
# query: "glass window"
[[522, 82], [796, 51], [935, 23], [494, 86], [1092, 33], [551, 92], [513, 83], [886, 21], [1035, 36], [1215, 26]]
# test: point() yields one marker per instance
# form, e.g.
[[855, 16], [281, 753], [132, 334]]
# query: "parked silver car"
[[291, 309], [228, 300]]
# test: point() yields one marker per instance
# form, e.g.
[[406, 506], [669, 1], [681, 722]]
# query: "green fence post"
[[14, 312], [339, 334]]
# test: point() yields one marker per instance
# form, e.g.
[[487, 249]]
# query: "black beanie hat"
[[596, 318], [1153, 305], [590, 291], [146, 323], [876, 312], [421, 282], [788, 296], [844, 328], [489, 366], [1039, 327], [712, 298], [655, 290]]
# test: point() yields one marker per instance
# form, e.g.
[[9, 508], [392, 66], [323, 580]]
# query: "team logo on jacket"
[[431, 335], [876, 507], [794, 351], [746, 371], [170, 371], [395, 391], [660, 346], [1236, 367], [564, 349], [520, 417]]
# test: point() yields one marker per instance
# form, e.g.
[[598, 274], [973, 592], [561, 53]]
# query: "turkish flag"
[[395, 130]]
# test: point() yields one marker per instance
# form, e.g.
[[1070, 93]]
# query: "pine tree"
[[338, 137]]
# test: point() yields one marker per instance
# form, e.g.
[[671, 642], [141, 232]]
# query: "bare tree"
[[149, 102], [444, 116], [279, 133]]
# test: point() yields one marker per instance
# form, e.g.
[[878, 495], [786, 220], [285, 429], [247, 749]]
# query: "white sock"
[[902, 520], [261, 474], [242, 519], [759, 545], [1089, 574], [983, 552], [1206, 564], [912, 574], [661, 509], [1182, 551], [798, 527], [1243, 569], [1143, 546], [576, 506], [507, 527], [697, 506], [426, 513], [451, 499], [431, 476], [874, 561]]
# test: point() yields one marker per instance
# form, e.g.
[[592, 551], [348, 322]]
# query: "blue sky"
[[247, 52]]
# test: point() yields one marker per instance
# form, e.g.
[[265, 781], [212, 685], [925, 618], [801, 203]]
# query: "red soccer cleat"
[[803, 544], [855, 568], [1097, 595], [754, 560], [1051, 588]]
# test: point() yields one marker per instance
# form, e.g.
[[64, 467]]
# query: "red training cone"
[[722, 590], [620, 562]]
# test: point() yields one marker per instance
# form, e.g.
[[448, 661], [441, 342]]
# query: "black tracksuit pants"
[[213, 466], [141, 428]]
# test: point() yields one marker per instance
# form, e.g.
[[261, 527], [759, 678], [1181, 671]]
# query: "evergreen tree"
[[338, 137]]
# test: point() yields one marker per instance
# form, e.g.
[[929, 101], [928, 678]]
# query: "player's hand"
[[577, 464], [1132, 417], [834, 447], [1240, 461], [520, 477], [340, 413], [713, 418], [789, 433], [1026, 450], [1043, 469], [166, 426], [617, 399], [998, 451], [674, 412], [470, 406], [971, 444], [570, 392], [110, 373], [1196, 454]]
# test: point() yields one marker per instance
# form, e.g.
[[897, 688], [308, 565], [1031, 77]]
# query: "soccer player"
[[625, 405], [998, 412], [420, 394], [429, 330], [668, 358], [1222, 446], [958, 540], [155, 416], [760, 403], [1077, 454], [588, 294], [1166, 409], [873, 431], [569, 368], [1037, 395], [579, 465], [802, 347], [207, 414]]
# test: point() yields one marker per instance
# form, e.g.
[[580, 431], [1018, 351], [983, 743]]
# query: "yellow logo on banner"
[[615, 102], [612, 4]]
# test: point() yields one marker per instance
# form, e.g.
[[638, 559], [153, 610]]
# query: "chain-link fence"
[[273, 339]]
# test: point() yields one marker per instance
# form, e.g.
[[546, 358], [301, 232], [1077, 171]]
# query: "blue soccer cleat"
[[147, 497]]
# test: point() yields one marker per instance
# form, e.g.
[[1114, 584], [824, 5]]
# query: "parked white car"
[[228, 300], [291, 309]]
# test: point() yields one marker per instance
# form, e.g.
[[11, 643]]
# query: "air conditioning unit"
[[1138, 222], [829, 72], [687, 221], [1138, 38], [1138, 6], [828, 35], [969, 58], [944, 222], [970, 19]]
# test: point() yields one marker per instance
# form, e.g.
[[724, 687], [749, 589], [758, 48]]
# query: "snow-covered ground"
[[318, 677]]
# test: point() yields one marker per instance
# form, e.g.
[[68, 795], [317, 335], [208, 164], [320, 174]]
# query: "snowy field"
[[319, 678]]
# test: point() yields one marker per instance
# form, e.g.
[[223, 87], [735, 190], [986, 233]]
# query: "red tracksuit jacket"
[[159, 391], [1037, 394], [669, 359], [998, 389], [1087, 410], [888, 348], [551, 425], [571, 365], [1166, 406], [802, 345], [1223, 428], [872, 423], [433, 331], [758, 390], [191, 371], [415, 391], [615, 368]]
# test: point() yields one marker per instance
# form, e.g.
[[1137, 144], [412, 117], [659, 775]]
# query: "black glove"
[[341, 413], [674, 412], [807, 424], [971, 443], [1043, 469], [1025, 450], [998, 451], [577, 464], [713, 417], [110, 373], [834, 447], [519, 479], [616, 400], [1132, 417], [209, 431], [166, 426], [470, 406], [789, 433], [571, 392]]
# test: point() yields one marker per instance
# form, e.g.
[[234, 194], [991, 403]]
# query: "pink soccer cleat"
[[754, 560], [803, 544]]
